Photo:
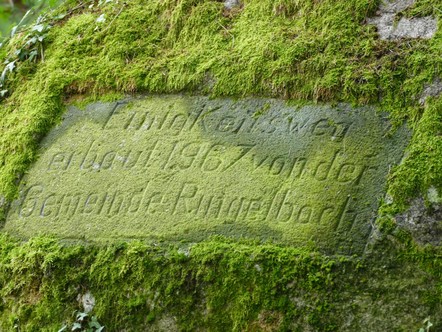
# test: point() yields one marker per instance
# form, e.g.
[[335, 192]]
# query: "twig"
[[233, 37], [121, 9]]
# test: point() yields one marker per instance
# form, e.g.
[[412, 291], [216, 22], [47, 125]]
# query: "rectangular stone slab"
[[180, 168]]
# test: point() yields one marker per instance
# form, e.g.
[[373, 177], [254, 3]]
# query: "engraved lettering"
[[111, 114], [90, 203], [254, 208], [342, 213], [146, 121], [286, 208], [197, 117], [177, 124], [246, 148], [326, 215], [270, 127], [134, 202], [189, 153], [130, 120], [298, 168], [49, 202], [271, 205], [131, 159], [153, 203], [106, 198], [148, 153], [321, 127], [258, 163], [30, 201], [161, 167], [60, 161], [305, 214], [217, 207], [69, 205], [89, 159], [234, 209], [108, 160], [117, 206], [341, 131], [188, 191], [323, 168], [211, 160], [297, 126], [174, 147], [277, 165], [336, 130], [226, 124]]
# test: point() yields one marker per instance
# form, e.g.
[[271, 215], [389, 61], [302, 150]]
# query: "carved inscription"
[[206, 158], [187, 167], [190, 200]]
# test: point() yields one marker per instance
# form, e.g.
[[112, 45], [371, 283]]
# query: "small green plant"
[[427, 325], [83, 323], [31, 37], [31, 47]]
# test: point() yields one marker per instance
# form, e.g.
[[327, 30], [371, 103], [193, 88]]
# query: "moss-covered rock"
[[180, 168], [217, 285], [301, 51]]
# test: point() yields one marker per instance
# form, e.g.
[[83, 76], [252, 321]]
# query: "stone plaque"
[[178, 168]]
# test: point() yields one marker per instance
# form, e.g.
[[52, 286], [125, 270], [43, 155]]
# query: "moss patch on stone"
[[302, 51], [216, 285]]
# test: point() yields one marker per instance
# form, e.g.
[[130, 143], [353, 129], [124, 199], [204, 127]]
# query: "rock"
[[389, 29], [87, 300], [423, 222], [230, 4], [431, 90], [395, 6], [184, 168]]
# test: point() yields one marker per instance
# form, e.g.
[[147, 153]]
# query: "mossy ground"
[[301, 51]]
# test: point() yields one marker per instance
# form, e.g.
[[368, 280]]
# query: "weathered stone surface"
[[87, 301], [179, 168], [395, 6], [431, 90], [423, 221], [390, 29], [229, 4], [422, 27]]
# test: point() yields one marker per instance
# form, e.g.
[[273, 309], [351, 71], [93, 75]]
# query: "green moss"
[[319, 51], [424, 8], [302, 51], [216, 285], [422, 166]]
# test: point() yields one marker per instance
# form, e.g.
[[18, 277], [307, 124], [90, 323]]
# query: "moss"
[[422, 166], [318, 51], [424, 8], [302, 51], [216, 285]]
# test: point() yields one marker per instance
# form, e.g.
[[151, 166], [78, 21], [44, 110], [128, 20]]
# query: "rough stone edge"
[[423, 219], [230, 4], [433, 89], [388, 29]]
